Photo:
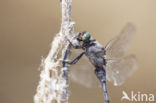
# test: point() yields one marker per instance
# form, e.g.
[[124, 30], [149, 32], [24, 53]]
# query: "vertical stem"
[[67, 29], [53, 84]]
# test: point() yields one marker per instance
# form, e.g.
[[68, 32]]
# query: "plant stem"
[[53, 84]]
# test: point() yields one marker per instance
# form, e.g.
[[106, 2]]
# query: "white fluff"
[[52, 85]]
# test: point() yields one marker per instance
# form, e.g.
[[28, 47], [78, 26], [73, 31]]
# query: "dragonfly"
[[110, 62]]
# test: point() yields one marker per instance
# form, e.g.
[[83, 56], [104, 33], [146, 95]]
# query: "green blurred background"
[[27, 28]]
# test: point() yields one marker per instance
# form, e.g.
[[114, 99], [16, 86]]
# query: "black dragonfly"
[[109, 61]]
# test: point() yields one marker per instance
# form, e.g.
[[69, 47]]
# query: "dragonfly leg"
[[101, 75], [67, 54], [76, 59]]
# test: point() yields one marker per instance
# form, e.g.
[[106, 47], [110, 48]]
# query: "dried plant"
[[53, 84]]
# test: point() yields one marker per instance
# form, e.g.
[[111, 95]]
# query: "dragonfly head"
[[85, 36]]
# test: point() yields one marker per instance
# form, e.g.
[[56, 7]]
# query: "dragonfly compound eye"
[[86, 36]]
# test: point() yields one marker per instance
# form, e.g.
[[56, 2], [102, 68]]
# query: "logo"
[[137, 97]]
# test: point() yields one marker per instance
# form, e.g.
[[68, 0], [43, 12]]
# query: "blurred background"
[[27, 28]]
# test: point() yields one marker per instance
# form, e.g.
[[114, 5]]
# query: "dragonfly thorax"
[[95, 52]]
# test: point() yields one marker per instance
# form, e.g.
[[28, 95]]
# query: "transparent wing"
[[83, 72], [118, 70], [119, 45]]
